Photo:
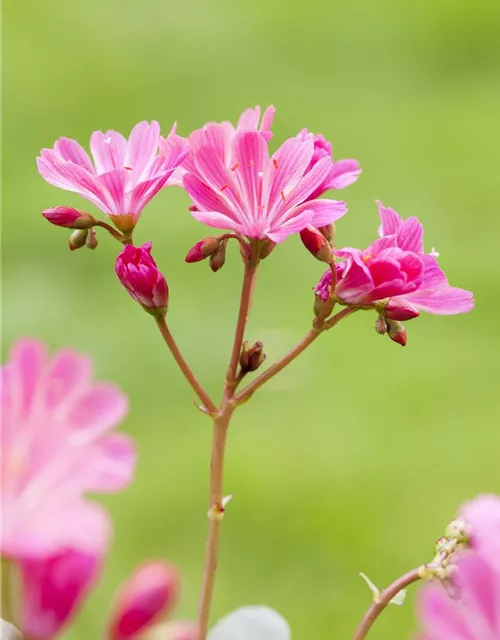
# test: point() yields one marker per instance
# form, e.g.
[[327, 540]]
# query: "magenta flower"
[[57, 444], [124, 175], [473, 613], [138, 273], [244, 190], [343, 172], [151, 591]]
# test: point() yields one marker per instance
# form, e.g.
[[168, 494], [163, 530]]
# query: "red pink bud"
[[400, 311], [69, 218], [396, 332], [202, 249], [138, 273], [316, 243], [150, 592]]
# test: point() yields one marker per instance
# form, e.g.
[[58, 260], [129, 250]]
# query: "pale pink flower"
[[138, 273], [151, 591], [482, 515], [473, 613], [435, 295], [221, 135], [343, 172], [245, 190], [57, 444], [124, 175]]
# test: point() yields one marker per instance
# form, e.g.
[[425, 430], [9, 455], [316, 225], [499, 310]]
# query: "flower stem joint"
[[252, 357], [217, 510]]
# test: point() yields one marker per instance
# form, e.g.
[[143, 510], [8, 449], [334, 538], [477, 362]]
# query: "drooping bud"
[[400, 311], [328, 231], [149, 592], [78, 239], [252, 357], [316, 243], [91, 241], [381, 325], [202, 249], [396, 332], [138, 273], [69, 218], [218, 258]]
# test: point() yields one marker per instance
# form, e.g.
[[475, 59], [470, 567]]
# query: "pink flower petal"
[[410, 236], [343, 174], [113, 464], [141, 148], [218, 220], [71, 151], [68, 375], [99, 409], [28, 359], [294, 224], [390, 221], [251, 159], [290, 163], [356, 282], [483, 515], [249, 120], [324, 211], [108, 150], [267, 122], [206, 199]]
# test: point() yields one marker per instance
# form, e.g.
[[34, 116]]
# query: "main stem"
[[383, 601], [220, 428]]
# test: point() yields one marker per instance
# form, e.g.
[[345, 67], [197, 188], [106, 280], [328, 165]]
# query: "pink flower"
[[124, 175], [482, 515], [343, 172], [434, 295], [474, 614], [57, 444], [241, 188], [221, 135], [151, 591], [138, 273]]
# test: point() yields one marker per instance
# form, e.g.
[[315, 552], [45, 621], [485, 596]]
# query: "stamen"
[[283, 196], [128, 168], [251, 163], [107, 140], [275, 162], [224, 186], [235, 166]]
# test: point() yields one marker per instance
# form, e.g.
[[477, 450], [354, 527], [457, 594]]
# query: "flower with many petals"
[[258, 196], [124, 174], [58, 443]]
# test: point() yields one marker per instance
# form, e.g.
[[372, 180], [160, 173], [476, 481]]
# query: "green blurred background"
[[355, 458]]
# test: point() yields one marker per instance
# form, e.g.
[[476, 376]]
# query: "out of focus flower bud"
[[148, 593], [266, 247], [69, 218], [328, 231], [218, 258], [400, 311], [316, 243], [91, 241], [202, 249], [138, 273], [458, 530], [178, 630], [396, 332], [78, 239], [381, 325], [252, 357]]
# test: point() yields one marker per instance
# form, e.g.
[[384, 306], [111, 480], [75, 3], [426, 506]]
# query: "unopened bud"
[[316, 243], [319, 303], [69, 218], [328, 231], [400, 311], [458, 530], [138, 273], [78, 239], [252, 357], [381, 325], [91, 241], [396, 332], [266, 247], [202, 249], [218, 258]]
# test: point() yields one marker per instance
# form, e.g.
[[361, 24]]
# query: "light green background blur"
[[356, 457]]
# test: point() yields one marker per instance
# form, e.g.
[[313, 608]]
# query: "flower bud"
[[202, 249], [78, 239], [266, 247], [178, 630], [69, 218], [148, 593], [316, 243], [91, 241], [396, 332], [138, 273], [400, 311], [218, 258], [458, 530], [328, 231], [381, 325], [252, 357]]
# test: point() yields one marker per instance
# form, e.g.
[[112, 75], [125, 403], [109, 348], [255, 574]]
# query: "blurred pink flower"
[[151, 591], [482, 515], [221, 135], [57, 444], [138, 273], [241, 188], [343, 172], [124, 175], [474, 614]]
